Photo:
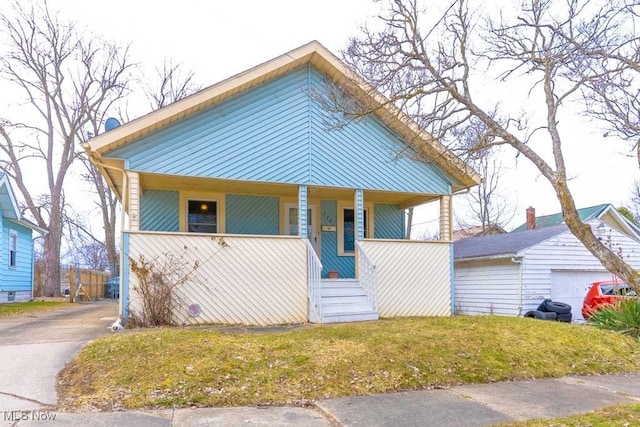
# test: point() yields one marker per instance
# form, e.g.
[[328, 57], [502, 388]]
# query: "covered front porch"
[[276, 254]]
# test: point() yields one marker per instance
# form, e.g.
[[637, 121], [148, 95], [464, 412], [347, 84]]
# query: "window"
[[202, 216], [349, 229], [292, 219], [13, 249]]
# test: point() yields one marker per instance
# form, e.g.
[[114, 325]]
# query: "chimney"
[[531, 218]]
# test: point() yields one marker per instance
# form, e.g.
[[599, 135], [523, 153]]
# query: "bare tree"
[[487, 206], [445, 60], [170, 84], [64, 76]]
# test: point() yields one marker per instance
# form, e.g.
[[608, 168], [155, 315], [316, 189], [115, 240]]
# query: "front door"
[[291, 218]]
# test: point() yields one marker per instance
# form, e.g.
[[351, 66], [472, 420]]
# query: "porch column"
[[358, 212], [133, 180], [302, 211], [446, 221]]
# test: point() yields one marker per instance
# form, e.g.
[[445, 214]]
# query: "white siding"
[[487, 287], [251, 280], [414, 278], [565, 252], [571, 286]]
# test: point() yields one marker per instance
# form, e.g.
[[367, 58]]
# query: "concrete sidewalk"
[[469, 405]]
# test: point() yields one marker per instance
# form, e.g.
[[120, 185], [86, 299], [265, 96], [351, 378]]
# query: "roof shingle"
[[503, 244]]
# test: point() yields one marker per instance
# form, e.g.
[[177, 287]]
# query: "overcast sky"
[[217, 39]]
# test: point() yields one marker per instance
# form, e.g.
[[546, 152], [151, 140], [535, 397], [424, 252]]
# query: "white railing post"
[[367, 276], [314, 272]]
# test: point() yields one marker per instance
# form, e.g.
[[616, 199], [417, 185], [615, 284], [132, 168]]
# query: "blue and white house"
[[288, 220], [16, 248]]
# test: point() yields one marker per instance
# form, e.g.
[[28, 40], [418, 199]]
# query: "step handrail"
[[367, 276], [314, 276]]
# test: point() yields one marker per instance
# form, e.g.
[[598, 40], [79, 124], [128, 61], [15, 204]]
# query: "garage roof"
[[503, 245]]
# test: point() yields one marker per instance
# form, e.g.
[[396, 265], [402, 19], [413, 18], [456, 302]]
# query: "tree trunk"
[[52, 242], [584, 233]]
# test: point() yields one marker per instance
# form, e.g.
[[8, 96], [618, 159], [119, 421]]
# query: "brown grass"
[[172, 367], [20, 308], [618, 416]]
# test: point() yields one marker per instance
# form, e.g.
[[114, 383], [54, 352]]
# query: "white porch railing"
[[239, 279], [314, 272], [413, 278], [367, 276]]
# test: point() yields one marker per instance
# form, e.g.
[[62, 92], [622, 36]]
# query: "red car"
[[605, 293]]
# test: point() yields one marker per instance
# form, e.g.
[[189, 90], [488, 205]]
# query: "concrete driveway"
[[35, 347]]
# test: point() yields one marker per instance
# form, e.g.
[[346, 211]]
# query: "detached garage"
[[510, 274]]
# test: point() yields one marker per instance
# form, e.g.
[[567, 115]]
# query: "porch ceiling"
[[168, 182]]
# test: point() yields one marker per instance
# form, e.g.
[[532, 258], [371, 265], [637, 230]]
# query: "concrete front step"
[[339, 283], [349, 317], [360, 307], [341, 292], [343, 300]]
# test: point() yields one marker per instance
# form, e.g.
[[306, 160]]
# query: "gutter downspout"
[[461, 192], [125, 188], [518, 260]]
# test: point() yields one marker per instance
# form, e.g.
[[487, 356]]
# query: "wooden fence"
[[88, 284]]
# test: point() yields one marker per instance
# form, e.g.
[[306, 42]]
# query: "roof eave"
[[29, 225], [488, 257], [326, 61]]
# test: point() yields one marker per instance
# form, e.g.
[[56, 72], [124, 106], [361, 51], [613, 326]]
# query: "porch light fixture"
[[204, 207]]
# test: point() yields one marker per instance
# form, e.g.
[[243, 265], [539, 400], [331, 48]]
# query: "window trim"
[[342, 205], [205, 196], [13, 253], [201, 200]]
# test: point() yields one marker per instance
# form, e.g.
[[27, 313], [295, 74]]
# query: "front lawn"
[[622, 415], [19, 308], [169, 367]]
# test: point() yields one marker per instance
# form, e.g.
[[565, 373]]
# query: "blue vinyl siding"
[[344, 265], [18, 278], [259, 135], [277, 133], [389, 222], [252, 214], [366, 154], [160, 211]]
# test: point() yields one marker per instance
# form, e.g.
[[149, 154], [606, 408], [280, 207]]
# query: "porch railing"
[[314, 272], [367, 276]]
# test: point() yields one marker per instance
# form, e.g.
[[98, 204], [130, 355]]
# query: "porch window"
[[292, 219], [13, 249], [202, 216], [349, 229]]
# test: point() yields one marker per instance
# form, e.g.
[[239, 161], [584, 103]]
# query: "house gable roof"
[[7, 199], [606, 212], [503, 245], [9, 205], [312, 53], [586, 214]]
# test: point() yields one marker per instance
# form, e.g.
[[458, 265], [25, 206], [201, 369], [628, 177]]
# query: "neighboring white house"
[[510, 274]]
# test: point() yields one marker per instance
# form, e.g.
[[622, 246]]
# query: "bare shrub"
[[158, 279]]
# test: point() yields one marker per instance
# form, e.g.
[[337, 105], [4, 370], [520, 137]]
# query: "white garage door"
[[571, 286]]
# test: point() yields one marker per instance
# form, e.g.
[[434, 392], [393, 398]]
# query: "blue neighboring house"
[[287, 218], [16, 248]]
